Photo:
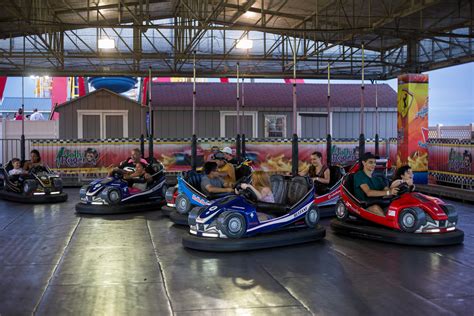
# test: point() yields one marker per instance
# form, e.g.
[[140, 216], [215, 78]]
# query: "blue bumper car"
[[113, 195], [187, 194], [241, 222]]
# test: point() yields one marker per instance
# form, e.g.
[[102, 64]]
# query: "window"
[[275, 126]]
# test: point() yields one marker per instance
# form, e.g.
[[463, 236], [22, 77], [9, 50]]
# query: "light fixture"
[[106, 43], [244, 43], [250, 15]]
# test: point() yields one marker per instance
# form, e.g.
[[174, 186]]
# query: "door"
[[114, 126], [313, 125], [231, 125], [91, 126]]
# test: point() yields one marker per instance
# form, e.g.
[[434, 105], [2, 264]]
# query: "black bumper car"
[[39, 185]]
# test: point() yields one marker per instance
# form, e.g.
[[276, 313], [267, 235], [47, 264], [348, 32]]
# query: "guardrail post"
[[22, 147], [361, 145], [193, 152], [294, 155], [237, 147], [328, 150], [243, 146], [376, 144], [142, 145]]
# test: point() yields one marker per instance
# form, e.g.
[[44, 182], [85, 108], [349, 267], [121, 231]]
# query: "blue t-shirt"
[[216, 182], [374, 183]]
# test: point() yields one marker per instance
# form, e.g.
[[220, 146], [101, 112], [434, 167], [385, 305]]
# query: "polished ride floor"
[[54, 262]]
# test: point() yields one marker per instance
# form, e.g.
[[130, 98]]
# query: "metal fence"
[[451, 132]]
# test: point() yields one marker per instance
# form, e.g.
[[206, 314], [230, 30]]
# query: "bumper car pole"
[[294, 141], [243, 116], [362, 105], [376, 120], [150, 111], [328, 122], [237, 138], [22, 140], [194, 137]]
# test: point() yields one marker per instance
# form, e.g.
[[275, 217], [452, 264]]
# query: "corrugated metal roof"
[[261, 95], [98, 91], [12, 104]]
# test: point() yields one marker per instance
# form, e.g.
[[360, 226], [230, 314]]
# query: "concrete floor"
[[54, 262]]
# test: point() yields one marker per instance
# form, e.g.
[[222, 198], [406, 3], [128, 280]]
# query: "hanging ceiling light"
[[244, 43], [106, 43]]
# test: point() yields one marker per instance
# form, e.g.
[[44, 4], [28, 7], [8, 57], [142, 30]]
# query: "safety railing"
[[80, 161]]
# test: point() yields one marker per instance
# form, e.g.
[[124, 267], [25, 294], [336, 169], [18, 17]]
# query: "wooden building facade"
[[101, 114]]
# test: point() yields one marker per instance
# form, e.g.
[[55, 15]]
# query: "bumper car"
[[112, 195], [187, 194], [410, 218], [235, 222], [39, 185]]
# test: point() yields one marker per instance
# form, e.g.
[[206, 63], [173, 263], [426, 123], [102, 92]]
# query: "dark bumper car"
[[39, 185], [187, 194], [112, 195], [240, 222]]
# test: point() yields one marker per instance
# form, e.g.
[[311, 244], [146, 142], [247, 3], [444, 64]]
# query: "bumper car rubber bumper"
[[179, 219], [33, 199], [167, 210], [378, 233], [269, 240], [327, 211], [124, 208]]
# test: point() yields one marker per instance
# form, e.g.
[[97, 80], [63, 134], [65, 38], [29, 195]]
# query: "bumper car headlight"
[[193, 214], [170, 194], [83, 190], [58, 183]]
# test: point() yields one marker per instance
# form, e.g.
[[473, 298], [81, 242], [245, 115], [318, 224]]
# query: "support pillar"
[[412, 125]]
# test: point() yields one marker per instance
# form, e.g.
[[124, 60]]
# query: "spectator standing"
[[19, 116], [36, 116]]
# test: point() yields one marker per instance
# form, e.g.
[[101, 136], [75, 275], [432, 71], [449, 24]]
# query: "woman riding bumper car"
[[233, 223]]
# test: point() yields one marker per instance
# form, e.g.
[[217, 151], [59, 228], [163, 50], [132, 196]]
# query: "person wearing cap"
[[214, 150], [226, 170], [227, 151], [366, 186]]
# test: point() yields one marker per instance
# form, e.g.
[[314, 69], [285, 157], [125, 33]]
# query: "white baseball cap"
[[227, 150]]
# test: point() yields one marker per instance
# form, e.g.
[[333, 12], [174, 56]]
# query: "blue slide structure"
[[115, 84]]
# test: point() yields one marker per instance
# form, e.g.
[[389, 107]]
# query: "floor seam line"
[[57, 265], [24, 212], [291, 294], [165, 285]]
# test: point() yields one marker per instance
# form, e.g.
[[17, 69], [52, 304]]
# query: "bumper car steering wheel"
[[403, 188], [247, 193]]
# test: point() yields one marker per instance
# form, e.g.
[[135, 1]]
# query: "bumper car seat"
[[297, 189], [279, 188]]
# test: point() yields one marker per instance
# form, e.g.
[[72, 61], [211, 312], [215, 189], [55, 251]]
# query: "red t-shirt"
[[18, 117]]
